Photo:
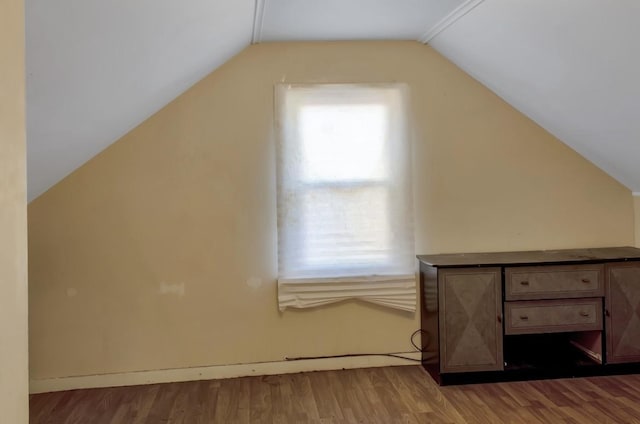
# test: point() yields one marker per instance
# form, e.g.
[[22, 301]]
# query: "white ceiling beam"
[[258, 20], [448, 20]]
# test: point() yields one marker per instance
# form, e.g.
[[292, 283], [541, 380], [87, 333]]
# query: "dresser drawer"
[[554, 282], [552, 316]]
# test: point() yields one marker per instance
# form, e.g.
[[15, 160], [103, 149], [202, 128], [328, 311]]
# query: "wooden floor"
[[376, 395]]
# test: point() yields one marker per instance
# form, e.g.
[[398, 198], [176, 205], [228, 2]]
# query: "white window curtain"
[[345, 224]]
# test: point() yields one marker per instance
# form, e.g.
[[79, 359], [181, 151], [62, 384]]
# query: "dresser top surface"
[[533, 257]]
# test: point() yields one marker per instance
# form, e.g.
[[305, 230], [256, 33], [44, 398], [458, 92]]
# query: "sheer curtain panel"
[[345, 221]]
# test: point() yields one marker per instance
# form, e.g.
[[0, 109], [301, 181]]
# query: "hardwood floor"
[[375, 395]]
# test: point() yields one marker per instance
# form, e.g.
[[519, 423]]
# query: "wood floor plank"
[[353, 396], [42, 406], [162, 403], [141, 403], [402, 395], [431, 392], [631, 407], [463, 405], [72, 410], [325, 391], [258, 401], [305, 404], [107, 405]]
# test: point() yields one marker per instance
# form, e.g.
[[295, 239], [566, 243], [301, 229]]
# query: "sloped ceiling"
[[573, 66], [97, 69]]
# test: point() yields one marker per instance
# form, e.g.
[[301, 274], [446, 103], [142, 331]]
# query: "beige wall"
[[13, 218], [636, 207], [146, 257]]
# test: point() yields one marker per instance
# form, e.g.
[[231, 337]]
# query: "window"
[[344, 194]]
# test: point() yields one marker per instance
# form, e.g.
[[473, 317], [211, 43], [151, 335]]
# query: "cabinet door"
[[470, 302], [622, 304]]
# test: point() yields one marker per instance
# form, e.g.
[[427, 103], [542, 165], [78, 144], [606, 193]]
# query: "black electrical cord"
[[348, 355], [425, 339]]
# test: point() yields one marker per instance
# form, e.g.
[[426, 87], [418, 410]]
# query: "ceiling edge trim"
[[258, 20], [448, 20]]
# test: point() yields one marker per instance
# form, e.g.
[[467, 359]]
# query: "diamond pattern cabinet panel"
[[470, 302], [623, 312]]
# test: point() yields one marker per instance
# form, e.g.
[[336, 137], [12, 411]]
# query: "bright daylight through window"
[[344, 195]]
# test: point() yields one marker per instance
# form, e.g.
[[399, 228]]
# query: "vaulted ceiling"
[[572, 66], [97, 69]]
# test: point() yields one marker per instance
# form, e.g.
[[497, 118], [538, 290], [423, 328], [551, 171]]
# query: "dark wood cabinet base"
[[530, 315]]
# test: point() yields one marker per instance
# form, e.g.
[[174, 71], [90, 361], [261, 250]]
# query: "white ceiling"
[[573, 66], [97, 69], [287, 20]]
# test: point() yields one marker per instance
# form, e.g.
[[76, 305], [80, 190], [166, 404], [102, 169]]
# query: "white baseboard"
[[216, 372]]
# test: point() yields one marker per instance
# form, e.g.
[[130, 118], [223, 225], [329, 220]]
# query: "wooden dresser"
[[537, 314]]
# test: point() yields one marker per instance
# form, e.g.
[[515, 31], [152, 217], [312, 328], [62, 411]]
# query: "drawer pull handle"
[[524, 317], [586, 280], [584, 314], [524, 283]]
